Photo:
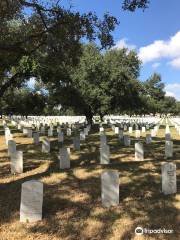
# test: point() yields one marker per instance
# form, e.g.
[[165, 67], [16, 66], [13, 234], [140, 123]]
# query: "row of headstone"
[[110, 184], [32, 191]]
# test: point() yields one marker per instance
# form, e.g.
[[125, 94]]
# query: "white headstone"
[[130, 129], [148, 138], [104, 154], [76, 143], [125, 127], [29, 134], [42, 130], [36, 138], [110, 188], [101, 130], [45, 145], [103, 140], [153, 133], [168, 149], [169, 185], [25, 131], [139, 151], [82, 136], [17, 162], [138, 133], [120, 134], [116, 130], [143, 129], [168, 137], [58, 129], [50, 132], [31, 201], [127, 140], [64, 158], [60, 137], [11, 147], [68, 132]]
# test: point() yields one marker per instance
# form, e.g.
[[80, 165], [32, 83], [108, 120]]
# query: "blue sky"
[[154, 33]]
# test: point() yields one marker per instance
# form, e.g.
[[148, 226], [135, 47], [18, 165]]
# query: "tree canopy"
[[43, 40], [36, 34]]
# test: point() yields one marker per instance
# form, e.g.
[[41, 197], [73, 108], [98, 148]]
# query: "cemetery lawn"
[[72, 206]]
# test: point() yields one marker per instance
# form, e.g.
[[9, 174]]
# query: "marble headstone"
[[31, 201], [11, 147], [17, 162], [76, 143], [104, 154], [103, 140], [29, 133], [120, 134], [148, 138], [50, 132], [110, 188], [127, 140], [168, 149], [143, 129], [130, 129], [139, 151], [168, 137], [82, 136], [169, 185], [116, 130], [60, 137], [68, 132], [45, 145], [64, 158], [36, 138], [138, 133]]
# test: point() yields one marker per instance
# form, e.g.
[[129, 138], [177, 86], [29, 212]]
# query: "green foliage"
[[102, 83], [168, 105], [132, 5], [46, 44], [153, 89], [25, 102], [48, 36]]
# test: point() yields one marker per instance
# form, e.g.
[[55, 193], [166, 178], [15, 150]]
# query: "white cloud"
[[161, 49], [170, 94], [173, 90], [123, 43], [175, 63], [156, 64]]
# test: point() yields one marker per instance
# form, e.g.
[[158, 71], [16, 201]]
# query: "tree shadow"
[[72, 206]]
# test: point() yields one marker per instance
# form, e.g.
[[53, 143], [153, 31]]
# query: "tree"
[[154, 91], [154, 87], [102, 83], [49, 31], [122, 71], [167, 105], [132, 5], [25, 101], [177, 108], [36, 35]]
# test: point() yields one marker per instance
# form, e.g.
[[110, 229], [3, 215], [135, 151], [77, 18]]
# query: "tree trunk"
[[101, 117], [89, 116]]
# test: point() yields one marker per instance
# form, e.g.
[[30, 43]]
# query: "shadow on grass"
[[73, 203]]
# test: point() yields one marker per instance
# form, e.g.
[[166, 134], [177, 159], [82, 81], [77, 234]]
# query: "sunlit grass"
[[72, 198]]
